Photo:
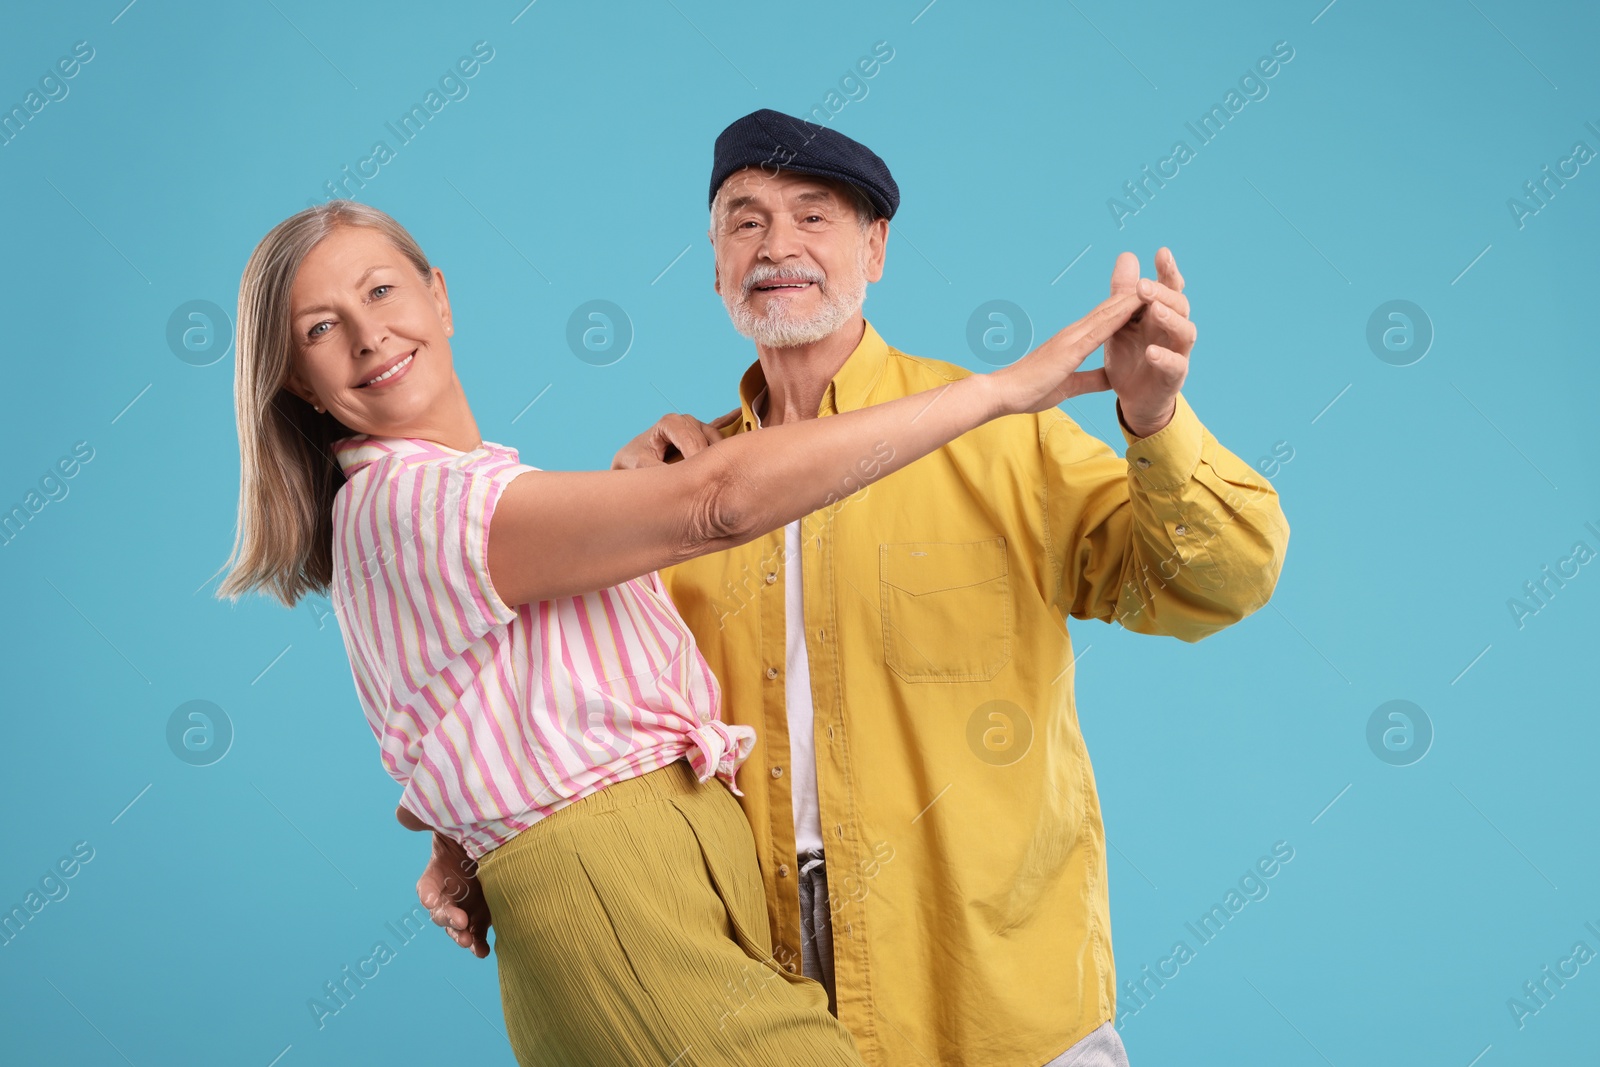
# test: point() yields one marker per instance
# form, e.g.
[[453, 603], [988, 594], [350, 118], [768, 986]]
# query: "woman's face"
[[358, 308]]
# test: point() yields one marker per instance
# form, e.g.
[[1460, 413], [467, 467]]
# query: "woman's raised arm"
[[564, 533]]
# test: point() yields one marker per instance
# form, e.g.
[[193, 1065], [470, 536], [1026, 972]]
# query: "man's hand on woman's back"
[[450, 891]]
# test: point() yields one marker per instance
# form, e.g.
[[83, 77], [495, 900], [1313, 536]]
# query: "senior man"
[[922, 802]]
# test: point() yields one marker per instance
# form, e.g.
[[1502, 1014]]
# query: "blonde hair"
[[288, 476]]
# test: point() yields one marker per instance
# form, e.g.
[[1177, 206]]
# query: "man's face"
[[792, 258]]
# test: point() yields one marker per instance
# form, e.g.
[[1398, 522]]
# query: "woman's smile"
[[392, 372]]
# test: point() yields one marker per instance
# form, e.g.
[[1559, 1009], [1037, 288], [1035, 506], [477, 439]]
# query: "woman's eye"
[[382, 287], [313, 331]]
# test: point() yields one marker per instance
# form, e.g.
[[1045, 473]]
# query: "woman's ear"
[[296, 385], [441, 298]]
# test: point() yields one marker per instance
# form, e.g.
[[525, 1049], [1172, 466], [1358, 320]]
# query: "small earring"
[[315, 406]]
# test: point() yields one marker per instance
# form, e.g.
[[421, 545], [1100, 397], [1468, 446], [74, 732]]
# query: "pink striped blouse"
[[492, 716]]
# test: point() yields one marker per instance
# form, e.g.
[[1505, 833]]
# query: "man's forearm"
[[1216, 524]]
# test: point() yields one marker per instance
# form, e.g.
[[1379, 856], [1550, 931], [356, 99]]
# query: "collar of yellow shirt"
[[848, 390]]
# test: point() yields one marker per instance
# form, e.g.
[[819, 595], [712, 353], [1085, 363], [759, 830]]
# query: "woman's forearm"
[[771, 478], [563, 533]]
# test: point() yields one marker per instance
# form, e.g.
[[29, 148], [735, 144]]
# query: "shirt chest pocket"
[[946, 609]]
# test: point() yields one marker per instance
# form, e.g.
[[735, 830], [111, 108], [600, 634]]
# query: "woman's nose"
[[369, 333]]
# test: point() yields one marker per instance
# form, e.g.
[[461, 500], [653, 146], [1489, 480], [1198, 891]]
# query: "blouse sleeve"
[[438, 522]]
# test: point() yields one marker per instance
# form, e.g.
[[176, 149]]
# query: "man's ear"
[[877, 241], [716, 274]]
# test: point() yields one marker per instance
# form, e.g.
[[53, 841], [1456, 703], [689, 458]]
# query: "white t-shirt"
[[797, 689]]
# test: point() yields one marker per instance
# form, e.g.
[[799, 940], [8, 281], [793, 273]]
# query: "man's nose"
[[782, 241]]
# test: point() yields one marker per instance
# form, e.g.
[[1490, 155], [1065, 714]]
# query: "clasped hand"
[[1147, 334]]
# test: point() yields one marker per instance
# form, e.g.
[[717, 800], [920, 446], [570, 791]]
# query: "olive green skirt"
[[631, 929]]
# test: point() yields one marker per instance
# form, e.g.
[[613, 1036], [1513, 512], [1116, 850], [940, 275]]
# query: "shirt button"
[[772, 672], [777, 772], [783, 872], [1180, 529], [789, 966], [771, 578], [1142, 462]]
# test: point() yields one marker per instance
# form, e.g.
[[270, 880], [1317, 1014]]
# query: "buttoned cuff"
[[1167, 458], [719, 749]]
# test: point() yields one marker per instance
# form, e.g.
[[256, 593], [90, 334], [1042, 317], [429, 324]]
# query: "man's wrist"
[[1141, 427]]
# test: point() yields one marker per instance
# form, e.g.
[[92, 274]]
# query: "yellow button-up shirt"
[[965, 851]]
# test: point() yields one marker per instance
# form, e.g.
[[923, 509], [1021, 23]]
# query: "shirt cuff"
[[1167, 458]]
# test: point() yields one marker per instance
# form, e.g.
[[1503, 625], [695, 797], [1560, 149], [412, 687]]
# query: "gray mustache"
[[762, 279]]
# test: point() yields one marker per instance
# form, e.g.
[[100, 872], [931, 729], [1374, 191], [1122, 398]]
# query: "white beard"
[[841, 298]]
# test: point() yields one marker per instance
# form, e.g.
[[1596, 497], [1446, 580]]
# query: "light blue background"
[[1377, 168]]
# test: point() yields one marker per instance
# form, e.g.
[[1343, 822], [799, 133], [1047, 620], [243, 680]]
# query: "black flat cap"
[[774, 141]]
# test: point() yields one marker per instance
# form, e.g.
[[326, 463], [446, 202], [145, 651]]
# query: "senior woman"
[[528, 681]]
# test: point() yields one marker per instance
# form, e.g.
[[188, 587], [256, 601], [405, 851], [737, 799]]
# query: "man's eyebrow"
[[811, 196], [364, 276]]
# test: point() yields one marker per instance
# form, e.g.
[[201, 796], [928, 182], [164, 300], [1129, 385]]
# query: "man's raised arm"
[[1180, 537]]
